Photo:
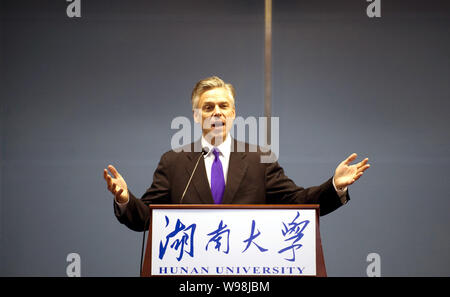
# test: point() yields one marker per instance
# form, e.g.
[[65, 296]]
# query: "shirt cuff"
[[342, 193], [121, 206]]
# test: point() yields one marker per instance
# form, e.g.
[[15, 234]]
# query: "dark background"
[[79, 94]]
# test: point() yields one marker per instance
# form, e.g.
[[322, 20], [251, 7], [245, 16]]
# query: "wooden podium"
[[243, 216]]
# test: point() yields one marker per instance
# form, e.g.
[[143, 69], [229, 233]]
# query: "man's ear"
[[232, 115], [197, 114]]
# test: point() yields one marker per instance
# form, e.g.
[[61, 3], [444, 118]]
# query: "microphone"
[[204, 151], [141, 268]]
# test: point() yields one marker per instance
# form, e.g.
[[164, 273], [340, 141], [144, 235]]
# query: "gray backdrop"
[[79, 94]]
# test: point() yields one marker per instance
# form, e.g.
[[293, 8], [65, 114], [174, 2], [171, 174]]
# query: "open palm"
[[116, 185], [347, 174]]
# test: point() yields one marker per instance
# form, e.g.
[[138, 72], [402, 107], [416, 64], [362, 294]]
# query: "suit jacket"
[[248, 182]]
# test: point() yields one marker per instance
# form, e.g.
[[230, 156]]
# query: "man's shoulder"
[[188, 150], [193, 147], [245, 147]]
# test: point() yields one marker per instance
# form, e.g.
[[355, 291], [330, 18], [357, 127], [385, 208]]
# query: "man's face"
[[216, 114]]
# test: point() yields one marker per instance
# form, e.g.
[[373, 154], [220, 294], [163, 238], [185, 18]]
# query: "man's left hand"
[[347, 174]]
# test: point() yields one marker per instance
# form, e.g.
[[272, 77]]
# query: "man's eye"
[[207, 107]]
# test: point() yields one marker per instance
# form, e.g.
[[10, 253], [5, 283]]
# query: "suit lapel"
[[199, 180], [237, 168]]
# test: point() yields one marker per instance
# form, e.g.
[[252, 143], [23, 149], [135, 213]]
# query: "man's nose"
[[217, 110]]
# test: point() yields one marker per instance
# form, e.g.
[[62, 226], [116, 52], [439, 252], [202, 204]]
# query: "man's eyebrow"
[[214, 102]]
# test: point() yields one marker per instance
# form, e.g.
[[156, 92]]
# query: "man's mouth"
[[217, 124]]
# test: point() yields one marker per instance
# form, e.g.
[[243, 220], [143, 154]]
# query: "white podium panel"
[[261, 242]]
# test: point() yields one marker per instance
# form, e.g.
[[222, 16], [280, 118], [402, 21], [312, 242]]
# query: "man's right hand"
[[116, 185]]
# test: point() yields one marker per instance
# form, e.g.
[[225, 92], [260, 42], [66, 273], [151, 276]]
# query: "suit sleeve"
[[281, 189], [136, 215]]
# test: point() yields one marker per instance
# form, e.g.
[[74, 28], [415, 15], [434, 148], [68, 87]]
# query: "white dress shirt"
[[224, 155]]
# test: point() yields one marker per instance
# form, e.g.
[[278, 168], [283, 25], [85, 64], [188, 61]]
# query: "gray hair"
[[207, 84]]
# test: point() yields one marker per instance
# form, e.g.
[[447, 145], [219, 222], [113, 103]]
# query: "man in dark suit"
[[231, 172]]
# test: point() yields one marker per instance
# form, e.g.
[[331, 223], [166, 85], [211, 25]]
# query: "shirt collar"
[[224, 147]]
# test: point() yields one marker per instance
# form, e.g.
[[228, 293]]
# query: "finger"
[[364, 168], [116, 189], [119, 193], [350, 182], [113, 189], [105, 174], [113, 171], [362, 163], [357, 177], [350, 158], [109, 181]]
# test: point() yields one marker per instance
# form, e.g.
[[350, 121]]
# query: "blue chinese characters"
[[180, 238], [186, 235], [252, 237], [217, 237], [293, 232]]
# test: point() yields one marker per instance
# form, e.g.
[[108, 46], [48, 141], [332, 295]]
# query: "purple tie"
[[217, 179]]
